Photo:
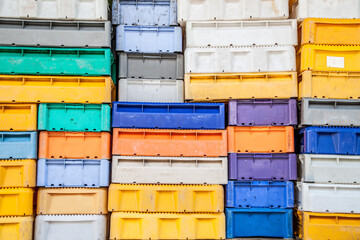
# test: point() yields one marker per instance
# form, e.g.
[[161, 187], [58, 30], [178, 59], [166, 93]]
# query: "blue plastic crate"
[[144, 12], [259, 222], [259, 194], [18, 145], [169, 115], [146, 39], [330, 140], [73, 173]]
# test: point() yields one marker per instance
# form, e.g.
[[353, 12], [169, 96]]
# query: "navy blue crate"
[[259, 194], [330, 140], [259, 222], [168, 115], [73, 173], [18, 145]]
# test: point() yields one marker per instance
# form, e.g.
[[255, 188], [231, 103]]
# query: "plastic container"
[[168, 115], [16, 201], [273, 112], [148, 39], [74, 117], [262, 167], [16, 228], [18, 145], [17, 173], [169, 170], [18, 117]]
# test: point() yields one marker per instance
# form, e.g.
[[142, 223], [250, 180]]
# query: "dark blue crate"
[[169, 115], [18, 145]]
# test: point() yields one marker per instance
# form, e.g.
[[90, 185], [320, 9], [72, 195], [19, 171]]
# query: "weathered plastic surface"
[[16, 201], [169, 170], [325, 9], [144, 12], [241, 33], [333, 85], [240, 59], [169, 143], [332, 198], [18, 145], [18, 117], [262, 167], [76, 145], [71, 201], [73, 173], [148, 39], [259, 194], [273, 112], [260, 139], [241, 223], [222, 87], [151, 66], [16, 228], [55, 9], [330, 140], [48, 33], [166, 198], [168, 115], [71, 227], [163, 226], [330, 112], [74, 117], [318, 168], [55, 89], [17, 173], [151, 90]]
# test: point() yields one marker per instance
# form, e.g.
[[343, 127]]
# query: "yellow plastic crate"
[[52, 89], [329, 85], [325, 226], [18, 117], [330, 31], [225, 86], [328, 58], [17, 173], [16, 228], [129, 225], [166, 198], [16, 201]]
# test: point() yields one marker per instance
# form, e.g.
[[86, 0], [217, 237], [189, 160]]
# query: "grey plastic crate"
[[331, 112], [151, 66], [47, 33]]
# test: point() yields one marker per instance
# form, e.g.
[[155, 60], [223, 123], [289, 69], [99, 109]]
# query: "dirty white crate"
[[333, 198], [169, 170], [240, 33], [240, 59], [55, 9], [207, 10]]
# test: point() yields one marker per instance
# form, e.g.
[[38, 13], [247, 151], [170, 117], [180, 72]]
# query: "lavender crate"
[[262, 167], [259, 112]]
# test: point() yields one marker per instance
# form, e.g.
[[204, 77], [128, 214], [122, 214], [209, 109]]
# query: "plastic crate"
[[16, 228], [18, 117], [18, 145], [16, 201], [17, 173]]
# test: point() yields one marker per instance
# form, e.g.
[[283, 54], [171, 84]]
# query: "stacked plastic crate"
[[252, 64], [328, 191]]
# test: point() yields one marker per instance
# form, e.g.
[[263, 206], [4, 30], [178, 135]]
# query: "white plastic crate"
[[55, 9], [240, 59], [169, 170], [332, 198], [240, 33]]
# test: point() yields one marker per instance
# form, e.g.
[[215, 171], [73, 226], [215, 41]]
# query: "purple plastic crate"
[[255, 112], [262, 167]]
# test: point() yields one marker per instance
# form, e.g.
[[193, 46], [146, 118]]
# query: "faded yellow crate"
[[166, 198], [16, 228], [17, 173], [225, 86], [18, 117], [181, 226], [16, 201], [329, 85]]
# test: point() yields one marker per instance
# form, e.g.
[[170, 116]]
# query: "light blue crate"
[[18, 145]]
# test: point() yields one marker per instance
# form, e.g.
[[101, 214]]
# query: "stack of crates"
[[328, 190]]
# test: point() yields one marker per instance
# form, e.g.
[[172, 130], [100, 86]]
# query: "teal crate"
[[74, 117], [57, 61]]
